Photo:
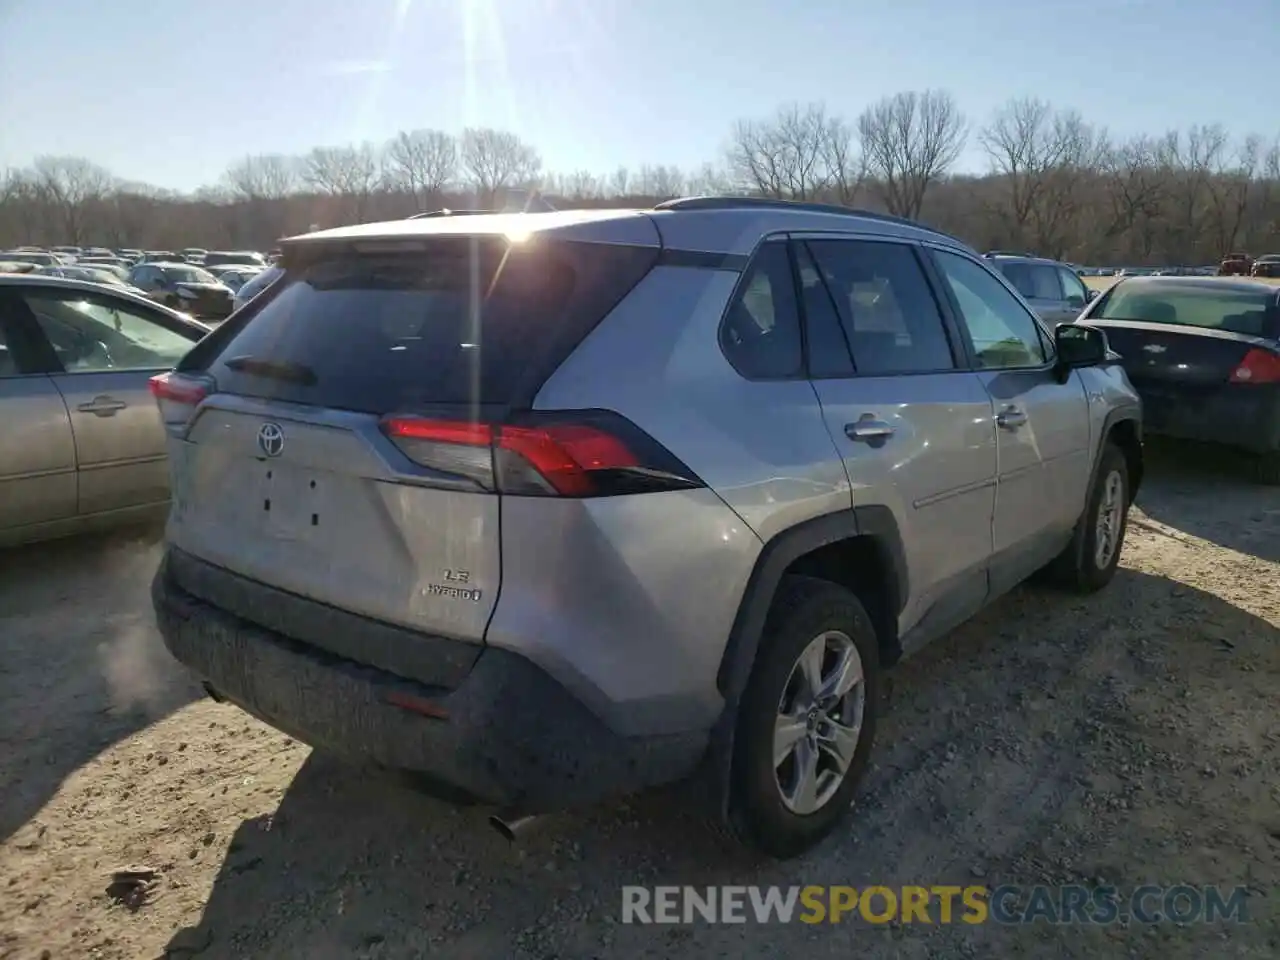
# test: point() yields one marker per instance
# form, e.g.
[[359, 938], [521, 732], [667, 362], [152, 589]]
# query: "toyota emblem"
[[271, 439]]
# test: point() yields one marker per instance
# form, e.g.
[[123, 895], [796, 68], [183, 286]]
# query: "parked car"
[[82, 444], [1205, 356], [1267, 265], [255, 285], [1235, 265], [235, 276], [68, 254], [103, 260], [1053, 289], [159, 256], [89, 275], [193, 254], [17, 266], [39, 258], [683, 580], [185, 287], [240, 258]]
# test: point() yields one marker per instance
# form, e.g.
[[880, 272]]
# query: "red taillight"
[[177, 388], [1258, 366], [177, 396], [570, 459]]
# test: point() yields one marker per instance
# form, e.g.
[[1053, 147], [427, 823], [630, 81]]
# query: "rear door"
[[913, 426], [343, 453], [107, 349], [1043, 433], [37, 456]]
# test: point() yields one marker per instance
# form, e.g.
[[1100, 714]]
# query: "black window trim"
[[961, 356], [1046, 336]]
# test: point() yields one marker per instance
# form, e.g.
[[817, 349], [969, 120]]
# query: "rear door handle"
[[103, 406], [1011, 418], [868, 430]]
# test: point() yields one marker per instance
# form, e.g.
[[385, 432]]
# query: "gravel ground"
[[1128, 738]]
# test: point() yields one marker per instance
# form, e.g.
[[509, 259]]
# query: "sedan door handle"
[[103, 406], [868, 430], [1011, 418]]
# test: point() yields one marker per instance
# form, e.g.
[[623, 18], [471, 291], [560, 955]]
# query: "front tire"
[[1090, 560], [806, 721]]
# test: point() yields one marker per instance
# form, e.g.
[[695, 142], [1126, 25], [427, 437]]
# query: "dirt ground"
[[1132, 737]]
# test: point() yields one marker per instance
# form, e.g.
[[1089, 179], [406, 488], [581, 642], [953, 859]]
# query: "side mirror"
[[1090, 295], [1080, 346]]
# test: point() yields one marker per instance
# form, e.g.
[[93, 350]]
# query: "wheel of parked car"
[[807, 719], [1090, 560]]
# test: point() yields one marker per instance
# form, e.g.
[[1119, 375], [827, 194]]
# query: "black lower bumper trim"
[[514, 737]]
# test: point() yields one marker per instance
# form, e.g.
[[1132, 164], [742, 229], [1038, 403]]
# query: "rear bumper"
[[513, 736], [1245, 416]]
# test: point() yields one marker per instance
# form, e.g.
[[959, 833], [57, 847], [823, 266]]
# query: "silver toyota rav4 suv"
[[547, 508], [1053, 289]]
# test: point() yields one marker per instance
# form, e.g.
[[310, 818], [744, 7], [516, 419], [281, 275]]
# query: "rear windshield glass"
[[463, 321], [1199, 305]]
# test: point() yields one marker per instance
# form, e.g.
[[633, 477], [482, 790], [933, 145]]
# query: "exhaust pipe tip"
[[512, 827]]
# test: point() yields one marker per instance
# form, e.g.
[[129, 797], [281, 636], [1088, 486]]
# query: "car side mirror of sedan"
[[1090, 295]]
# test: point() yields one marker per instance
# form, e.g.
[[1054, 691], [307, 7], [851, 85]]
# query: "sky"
[[171, 92]]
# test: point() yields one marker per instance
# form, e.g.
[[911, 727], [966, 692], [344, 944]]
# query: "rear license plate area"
[[290, 502]]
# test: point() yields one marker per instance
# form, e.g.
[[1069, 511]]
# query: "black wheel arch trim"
[[1130, 413], [874, 521]]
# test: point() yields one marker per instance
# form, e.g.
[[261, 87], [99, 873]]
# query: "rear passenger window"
[[760, 335], [889, 315]]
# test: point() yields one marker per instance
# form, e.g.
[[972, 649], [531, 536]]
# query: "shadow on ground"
[[994, 743], [1209, 492], [82, 664]]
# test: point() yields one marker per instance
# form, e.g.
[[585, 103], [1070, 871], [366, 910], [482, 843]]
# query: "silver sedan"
[[81, 442]]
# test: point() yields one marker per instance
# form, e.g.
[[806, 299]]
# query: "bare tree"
[[659, 181], [263, 177], [422, 163], [910, 141], [1056, 184], [496, 161], [620, 182], [788, 156], [73, 185], [349, 174], [1042, 157]]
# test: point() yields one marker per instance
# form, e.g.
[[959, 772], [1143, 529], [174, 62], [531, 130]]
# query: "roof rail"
[[770, 203], [1011, 253]]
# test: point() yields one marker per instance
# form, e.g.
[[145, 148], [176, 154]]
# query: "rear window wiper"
[[285, 370]]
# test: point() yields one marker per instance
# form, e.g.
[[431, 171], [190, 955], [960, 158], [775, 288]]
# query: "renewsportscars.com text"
[[935, 904]]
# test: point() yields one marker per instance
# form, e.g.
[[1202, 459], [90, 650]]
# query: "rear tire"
[[1090, 559], [1266, 469], [818, 635]]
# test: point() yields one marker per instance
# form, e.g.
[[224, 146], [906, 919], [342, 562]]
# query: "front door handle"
[[103, 406], [1011, 418], [868, 430]]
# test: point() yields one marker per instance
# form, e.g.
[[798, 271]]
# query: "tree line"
[[1054, 184]]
